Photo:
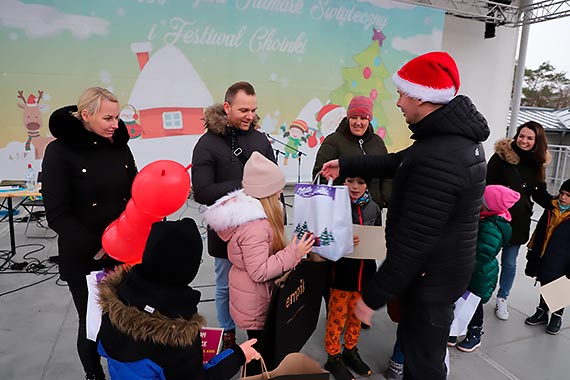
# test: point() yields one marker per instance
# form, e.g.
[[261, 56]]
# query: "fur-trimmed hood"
[[66, 127], [505, 151], [216, 120], [143, 326], [231, 211]]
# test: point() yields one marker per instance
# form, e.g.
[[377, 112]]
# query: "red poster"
[[211, 342]]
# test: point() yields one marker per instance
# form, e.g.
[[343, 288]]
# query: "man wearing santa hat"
[[431, 228]]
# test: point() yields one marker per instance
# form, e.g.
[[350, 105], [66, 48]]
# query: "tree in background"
[[367, 79], [546, 87]]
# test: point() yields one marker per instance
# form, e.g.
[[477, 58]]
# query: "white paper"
[[465, 307], [372, 243], [93, 320], [557, 293]]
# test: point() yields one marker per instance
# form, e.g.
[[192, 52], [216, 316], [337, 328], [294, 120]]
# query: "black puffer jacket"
[[215, 170], [86, 183], [509, 169], [343, 143], [431, 228]]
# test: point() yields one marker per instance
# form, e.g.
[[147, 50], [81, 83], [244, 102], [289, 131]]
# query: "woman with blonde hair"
[[250, 220], [87, 176]]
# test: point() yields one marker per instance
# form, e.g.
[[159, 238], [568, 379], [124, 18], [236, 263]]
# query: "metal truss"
[[543, 11], [500, 12]]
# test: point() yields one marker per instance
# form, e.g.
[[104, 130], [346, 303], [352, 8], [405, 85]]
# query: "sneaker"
[[353, 360], [451, 341], [472, 341], [335, 365], [228, 339], [540, 317], [502, 309], [553, 327], [395, 371]]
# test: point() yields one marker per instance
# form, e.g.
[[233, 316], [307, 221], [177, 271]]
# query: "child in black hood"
[[150, 327]]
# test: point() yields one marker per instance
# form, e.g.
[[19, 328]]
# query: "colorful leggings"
[[341, 315]]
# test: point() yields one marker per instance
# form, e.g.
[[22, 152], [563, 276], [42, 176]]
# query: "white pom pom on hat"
[[431, 77]]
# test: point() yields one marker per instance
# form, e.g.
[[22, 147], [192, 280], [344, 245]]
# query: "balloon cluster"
[[158, 190]]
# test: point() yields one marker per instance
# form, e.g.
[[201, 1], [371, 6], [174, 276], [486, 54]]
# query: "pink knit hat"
[[360, 106], [431, 77], [499, 199], [261, 177]]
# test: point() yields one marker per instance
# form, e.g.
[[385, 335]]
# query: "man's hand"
[[363, 312], [331, 169], [249, 352]]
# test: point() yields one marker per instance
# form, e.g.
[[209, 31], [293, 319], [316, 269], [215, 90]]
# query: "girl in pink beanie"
[[250, 220], [494, 232]]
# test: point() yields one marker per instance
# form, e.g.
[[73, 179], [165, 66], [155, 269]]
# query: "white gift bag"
[[324, 210], [465, 307], [93, 321]]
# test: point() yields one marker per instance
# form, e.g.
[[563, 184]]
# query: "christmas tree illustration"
[[301, 229], [367, 79], [326, 238]]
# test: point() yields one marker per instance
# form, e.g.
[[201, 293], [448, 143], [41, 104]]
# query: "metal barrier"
[[559, 169]]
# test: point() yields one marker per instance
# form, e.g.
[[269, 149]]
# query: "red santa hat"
[[432, 77], [31, 101], [326, 109]]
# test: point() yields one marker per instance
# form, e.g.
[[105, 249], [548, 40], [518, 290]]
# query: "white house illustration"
[[169, 95]]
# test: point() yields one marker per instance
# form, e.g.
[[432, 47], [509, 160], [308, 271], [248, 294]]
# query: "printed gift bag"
[[293, 311], [324, 210], [465, 307]]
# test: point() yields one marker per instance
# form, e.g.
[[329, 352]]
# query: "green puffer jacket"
[[494, 233]]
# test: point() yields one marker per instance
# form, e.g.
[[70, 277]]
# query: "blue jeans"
[[508, 269], [397, 354], [222, 269]]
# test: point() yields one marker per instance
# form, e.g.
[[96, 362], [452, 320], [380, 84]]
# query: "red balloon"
[[138, 217], [116, 246], [129, 230], [161, 188]]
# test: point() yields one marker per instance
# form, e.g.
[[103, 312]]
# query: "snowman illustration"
[[295, 134]]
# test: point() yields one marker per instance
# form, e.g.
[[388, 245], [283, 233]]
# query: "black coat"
[[352, 274], [547, 262], [432, 221], [215, 170], [140, 344], [343, 143], [86, 183], [507, 168]]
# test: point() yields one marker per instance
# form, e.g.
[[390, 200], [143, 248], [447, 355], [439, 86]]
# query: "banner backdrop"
[[167, 60]]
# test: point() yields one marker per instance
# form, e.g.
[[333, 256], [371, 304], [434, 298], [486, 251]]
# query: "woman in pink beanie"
[[250, 220]]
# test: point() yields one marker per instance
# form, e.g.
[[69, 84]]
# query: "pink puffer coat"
[[240, 220]]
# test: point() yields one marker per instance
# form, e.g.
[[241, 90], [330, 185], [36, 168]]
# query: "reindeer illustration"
[[33, 123]]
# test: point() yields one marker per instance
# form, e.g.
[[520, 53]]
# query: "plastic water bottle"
[[30, 178]]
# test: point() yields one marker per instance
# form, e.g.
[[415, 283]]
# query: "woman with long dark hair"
[[519, 163]]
